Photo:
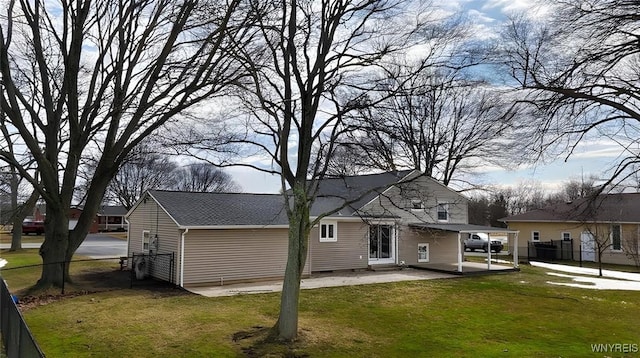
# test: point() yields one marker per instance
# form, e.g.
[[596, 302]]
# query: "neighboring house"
[[74, 215], [378, 220], [111, 218], [611, 219]]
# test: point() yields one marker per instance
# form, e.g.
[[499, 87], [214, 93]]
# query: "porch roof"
[[462, 228]]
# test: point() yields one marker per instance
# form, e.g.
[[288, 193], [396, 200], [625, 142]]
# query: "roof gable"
[[359, 190]]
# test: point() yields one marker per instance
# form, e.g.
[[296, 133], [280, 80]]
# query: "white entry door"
[[588, 246]]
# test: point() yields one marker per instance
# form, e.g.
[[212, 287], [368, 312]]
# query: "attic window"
[[443, 212], [328, 231], [416, 204]]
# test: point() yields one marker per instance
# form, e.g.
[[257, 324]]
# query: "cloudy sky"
[[592, 157]]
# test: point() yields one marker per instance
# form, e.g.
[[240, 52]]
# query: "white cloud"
[[254, 181]]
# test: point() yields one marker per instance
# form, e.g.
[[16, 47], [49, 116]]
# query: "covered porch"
[[475, 262]]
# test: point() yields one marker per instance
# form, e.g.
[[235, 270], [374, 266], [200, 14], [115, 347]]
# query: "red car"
[[32, 227]]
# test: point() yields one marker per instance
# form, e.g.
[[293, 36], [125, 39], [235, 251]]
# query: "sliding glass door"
[[381, 244]]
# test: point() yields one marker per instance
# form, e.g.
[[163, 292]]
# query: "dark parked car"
[[33, 227], [476, 242]]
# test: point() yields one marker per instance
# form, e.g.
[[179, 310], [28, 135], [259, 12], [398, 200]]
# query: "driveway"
[[96, 246], [322, 280]]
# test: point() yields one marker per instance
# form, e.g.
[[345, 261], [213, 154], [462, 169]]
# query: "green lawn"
[[506, 315], [22, 278]]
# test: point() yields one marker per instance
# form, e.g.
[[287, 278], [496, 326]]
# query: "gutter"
[[225, 227], [182, 256]]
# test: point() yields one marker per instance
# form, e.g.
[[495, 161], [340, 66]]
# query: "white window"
[[566, 236], [146, 235], [616, 237], [423, 252], [443, 212], [328, 231], [535, 235], [416, 205]]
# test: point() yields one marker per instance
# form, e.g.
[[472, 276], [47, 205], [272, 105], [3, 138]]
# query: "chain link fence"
[[16, 336], [137, 270]]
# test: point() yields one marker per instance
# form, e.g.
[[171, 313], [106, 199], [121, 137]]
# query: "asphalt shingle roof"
[[220, 209], [623, 207], [212, 209]]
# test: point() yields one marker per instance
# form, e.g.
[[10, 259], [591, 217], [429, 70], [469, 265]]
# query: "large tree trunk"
[[53, 251], [286, 328]]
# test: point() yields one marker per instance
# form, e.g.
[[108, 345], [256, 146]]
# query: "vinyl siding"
[[349, 252], [397, 201], [443, 245], [553, 231], [150, 216], [224, 256]]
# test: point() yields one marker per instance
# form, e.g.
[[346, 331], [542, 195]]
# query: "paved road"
[[96, 246]]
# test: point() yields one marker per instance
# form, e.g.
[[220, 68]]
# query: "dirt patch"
[[94, 281], [256, 342]]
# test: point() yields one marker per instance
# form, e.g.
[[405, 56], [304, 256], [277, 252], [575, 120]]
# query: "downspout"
[[182, 256], [128, 237], [396, 233]]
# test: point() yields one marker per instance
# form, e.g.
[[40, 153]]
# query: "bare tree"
[[88, 77], [20, 207], [602, 235], [631, 246], [310, 73], [575, 189], [142, 172], [205, 178], [436, 122], [578, 74]]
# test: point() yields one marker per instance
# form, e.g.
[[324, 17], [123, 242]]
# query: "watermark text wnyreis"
[[614, 348]]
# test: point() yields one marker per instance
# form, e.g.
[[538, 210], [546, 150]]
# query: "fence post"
[[571, 249], [580, 246], [528, 252]]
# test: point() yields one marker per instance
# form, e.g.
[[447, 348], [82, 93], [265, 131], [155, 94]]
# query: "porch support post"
[[488, 252], [459, 252], [515, 250]]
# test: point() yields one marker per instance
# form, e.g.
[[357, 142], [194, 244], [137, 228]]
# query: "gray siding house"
[[373, 220]]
